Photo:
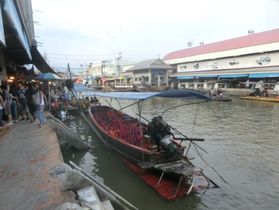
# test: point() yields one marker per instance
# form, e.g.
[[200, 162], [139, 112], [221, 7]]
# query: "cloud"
[[144, 29]]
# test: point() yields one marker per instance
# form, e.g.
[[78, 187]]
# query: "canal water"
[[242, 144]]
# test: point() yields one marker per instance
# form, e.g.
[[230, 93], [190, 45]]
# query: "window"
[[212, 65], [183, 67], [233, 62], [263, 60]]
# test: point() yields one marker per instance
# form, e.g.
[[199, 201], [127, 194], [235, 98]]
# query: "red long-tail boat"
[[150, 149]]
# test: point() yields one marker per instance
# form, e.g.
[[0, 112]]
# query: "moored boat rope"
[[221, 177]]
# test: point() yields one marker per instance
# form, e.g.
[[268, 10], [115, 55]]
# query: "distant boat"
[[220, 98], [150, 150], [261, 98]]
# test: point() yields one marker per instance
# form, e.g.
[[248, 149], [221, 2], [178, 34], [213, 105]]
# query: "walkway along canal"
[[26, 155]]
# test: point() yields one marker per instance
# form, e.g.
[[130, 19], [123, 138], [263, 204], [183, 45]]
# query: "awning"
[[185, 77], [229, 76], [13, 18], [263, 75], [40, 62], [207, 76], [2, 34]]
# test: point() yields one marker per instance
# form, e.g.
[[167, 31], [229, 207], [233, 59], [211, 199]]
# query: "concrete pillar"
[[205, 85], [195, 86], [276, 87], [150, 76], [167, 77], [159, 81], [216, 85]]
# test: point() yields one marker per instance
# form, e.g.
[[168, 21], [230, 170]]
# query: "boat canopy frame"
[[140, 97], [187, 93]]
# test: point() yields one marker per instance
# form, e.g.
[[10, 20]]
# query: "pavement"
[[26, 154]]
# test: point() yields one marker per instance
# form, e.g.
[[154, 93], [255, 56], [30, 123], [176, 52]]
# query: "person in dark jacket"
[[29, 100]]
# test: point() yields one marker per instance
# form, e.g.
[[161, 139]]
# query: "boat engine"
[[160, 132]]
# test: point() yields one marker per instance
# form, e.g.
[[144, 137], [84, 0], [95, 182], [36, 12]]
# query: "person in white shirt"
[[39, 101]]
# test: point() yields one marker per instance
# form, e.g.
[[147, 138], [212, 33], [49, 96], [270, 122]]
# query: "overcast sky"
[[87, 31]]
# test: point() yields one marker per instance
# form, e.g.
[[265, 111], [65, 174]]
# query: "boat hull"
[[167, 187], [168, 174]]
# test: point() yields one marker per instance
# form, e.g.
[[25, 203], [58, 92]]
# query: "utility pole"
[[102, 67], [118, 69], [102, 71], [69, 71]]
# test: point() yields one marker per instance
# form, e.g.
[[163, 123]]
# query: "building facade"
[[109, 72], [18, 46], [236, 62], [153, 72]]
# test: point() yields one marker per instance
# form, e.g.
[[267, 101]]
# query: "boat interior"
[[120, 125]]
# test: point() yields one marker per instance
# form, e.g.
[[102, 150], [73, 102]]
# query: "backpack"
[[36, 98]]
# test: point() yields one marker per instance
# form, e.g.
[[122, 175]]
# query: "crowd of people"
[[21, 101]]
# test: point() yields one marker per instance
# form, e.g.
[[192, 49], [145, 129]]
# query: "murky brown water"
[[242, 140]]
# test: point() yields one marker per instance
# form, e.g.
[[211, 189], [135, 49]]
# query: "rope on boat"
[[173, 107], [193, 129], [195, 145], [195, 118], [222, 178]]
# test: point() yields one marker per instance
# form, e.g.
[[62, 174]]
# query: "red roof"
[[230, 44]]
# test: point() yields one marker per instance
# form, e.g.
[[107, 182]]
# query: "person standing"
[[66, 96], [2, 106], [30, 91], [39, 101], [22, 101], [8, 99]]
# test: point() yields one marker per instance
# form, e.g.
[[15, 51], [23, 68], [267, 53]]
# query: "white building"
[[232, 62], [153, 72]]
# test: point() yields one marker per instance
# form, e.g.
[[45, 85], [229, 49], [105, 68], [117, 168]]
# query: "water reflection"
[[242, 144]]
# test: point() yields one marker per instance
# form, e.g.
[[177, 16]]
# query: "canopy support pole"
[[161, 177], [178, 186]]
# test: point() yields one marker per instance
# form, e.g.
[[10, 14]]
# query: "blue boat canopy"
[[81, 88], [191, 94], [264, 75]]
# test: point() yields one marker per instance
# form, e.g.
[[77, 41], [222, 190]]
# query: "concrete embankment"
[[26, 155]]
